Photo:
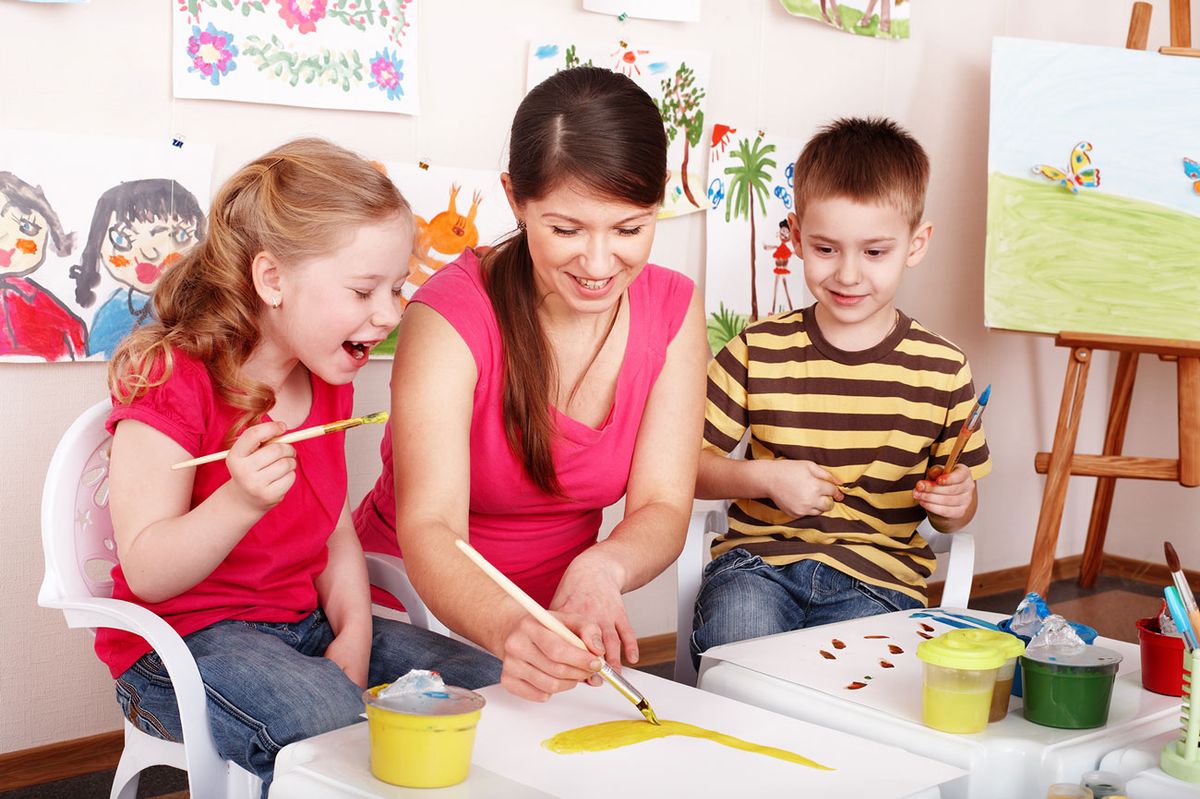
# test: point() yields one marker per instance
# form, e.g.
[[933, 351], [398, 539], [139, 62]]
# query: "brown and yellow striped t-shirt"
[[876, 419]]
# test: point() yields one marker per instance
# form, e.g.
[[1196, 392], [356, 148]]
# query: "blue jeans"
[[742, 597], [269, 685]]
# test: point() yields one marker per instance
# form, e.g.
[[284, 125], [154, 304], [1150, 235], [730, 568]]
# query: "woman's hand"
[[539, 664], [591, 589], [262, 473], [800, 488], [947, 496]]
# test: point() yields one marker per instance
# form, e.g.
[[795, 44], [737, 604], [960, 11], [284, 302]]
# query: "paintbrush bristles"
[[1172, 557]]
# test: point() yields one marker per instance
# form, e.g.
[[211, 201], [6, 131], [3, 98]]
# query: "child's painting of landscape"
[[1093, 221], [677, 81], [752, 271], [882, 19]]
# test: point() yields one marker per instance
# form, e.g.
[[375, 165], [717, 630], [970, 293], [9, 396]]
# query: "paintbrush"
[[558, 628], [294, 436], [974, 419], [1181, 584]]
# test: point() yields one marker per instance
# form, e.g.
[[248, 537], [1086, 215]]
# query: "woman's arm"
[[433, 385], [658, 498], [343, 591], [166, 548]]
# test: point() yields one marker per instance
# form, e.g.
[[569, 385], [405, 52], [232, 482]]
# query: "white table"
[[1011, 759], [509, 761], [1138, 764]]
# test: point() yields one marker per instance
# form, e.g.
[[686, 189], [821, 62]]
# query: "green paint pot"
[[1069, 688]]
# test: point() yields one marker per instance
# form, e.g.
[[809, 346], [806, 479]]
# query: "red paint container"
[[1162, 659]]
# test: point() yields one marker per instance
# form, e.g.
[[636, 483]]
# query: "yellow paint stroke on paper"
[[615, 734]]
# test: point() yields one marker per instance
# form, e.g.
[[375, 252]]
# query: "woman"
[[536, 387]]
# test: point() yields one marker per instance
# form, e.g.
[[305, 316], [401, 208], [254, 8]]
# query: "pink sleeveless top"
[[531, 536]]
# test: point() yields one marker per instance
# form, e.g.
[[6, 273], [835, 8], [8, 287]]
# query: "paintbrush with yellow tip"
[[294, 436], [555, 626]]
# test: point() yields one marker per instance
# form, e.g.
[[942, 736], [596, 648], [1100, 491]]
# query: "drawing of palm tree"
[[680, 109], [747, 179]]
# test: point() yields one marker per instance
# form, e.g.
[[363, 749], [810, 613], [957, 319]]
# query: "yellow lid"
[[1009, 645], [962, 652]]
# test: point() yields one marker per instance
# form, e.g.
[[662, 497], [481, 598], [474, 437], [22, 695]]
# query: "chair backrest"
[[77, 536]]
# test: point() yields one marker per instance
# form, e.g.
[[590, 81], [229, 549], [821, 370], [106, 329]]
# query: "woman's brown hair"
[[584, 126], [296, 202]]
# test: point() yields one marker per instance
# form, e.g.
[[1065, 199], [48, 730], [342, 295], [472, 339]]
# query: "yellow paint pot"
[[422, 740]]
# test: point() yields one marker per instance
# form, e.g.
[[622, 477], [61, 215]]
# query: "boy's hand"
[[801, 488], [262, 472], [946, 495]]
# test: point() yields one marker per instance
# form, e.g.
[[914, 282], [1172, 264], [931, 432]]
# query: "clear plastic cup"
[[960, 675]]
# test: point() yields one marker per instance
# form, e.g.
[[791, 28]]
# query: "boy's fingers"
[[934, 472]]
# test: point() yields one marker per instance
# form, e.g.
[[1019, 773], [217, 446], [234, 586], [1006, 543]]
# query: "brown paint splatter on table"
[[895, 650], [926, 627], [924, 634], [838, 644], [827, 655], [876, 636], [854, 686], [884, 664]]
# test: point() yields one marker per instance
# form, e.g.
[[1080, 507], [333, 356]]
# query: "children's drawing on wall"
[[139, 230], [66, 297], [455, 209], [678, 83], [1191, 168], [36, 323], [351, 54], [882, 19], [749, 255], [1066, 250], [672, 10]]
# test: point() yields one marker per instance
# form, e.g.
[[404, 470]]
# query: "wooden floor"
[[1111, 607]]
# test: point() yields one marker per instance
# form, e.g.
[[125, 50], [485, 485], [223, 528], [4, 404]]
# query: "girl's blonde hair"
[[296, 202]]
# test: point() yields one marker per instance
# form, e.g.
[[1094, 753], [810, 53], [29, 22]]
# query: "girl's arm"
[[433, 385], [166, 546], [658, 498], [344, 593]]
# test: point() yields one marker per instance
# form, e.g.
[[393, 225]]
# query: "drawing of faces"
[[136, 252], [23, 237]]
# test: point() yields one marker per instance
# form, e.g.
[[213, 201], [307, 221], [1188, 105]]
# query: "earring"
[[275, 303], [521, 225]]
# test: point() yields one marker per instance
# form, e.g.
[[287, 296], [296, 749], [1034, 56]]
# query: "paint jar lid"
[[451, 701], [1006, 643], [1092, 658], [961, 652]]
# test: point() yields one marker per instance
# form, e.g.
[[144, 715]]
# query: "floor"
[[1111, 607]]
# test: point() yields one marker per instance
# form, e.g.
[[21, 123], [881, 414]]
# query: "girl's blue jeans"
[[742, 597], [268, 684]]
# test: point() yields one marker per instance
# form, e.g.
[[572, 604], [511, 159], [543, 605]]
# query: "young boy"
[[851, 406]]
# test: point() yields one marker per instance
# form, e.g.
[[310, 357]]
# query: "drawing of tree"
[[746, 180], [680, 109]]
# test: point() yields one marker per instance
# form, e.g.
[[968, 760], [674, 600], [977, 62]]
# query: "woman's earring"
[[521, 225]]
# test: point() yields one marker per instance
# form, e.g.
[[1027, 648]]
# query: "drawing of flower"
[[212, 53], [302, 15], [386, 74]]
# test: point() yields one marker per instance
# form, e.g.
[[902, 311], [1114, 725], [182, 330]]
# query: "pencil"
[[293, 437], [974, 419], [557, 627]]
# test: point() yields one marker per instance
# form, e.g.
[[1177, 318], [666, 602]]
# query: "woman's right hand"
[[800, 488], [262, 473], [539, 664]]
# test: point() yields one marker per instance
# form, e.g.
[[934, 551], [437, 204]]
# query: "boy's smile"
[[854, 256]]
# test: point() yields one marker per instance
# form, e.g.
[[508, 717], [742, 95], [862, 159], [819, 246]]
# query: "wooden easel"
[[1062, 462]]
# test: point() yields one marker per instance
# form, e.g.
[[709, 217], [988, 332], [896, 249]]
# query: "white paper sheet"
[[511, 731], [659, 72], [733, 235], [353, 54], [82, 198], [673, 10]]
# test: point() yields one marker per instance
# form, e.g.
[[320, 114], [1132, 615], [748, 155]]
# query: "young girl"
[[253, 560], [140, 228]]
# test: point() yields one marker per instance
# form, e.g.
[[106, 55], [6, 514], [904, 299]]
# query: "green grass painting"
[[1090, 262], [850, 18]]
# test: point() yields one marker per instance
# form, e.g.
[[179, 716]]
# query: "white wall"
[[103, 68]]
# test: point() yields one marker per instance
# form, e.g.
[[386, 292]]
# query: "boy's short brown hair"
[[871, 160]]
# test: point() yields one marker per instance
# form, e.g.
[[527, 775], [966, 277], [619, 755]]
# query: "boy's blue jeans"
[[268, 684], [742, 597]]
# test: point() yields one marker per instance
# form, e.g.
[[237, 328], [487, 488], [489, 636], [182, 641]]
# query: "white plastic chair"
[[80, 551], [707, 524]]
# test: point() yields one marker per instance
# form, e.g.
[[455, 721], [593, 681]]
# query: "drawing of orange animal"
[[442, 239]]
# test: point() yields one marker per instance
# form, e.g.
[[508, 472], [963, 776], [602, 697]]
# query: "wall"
[[102, 68]]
